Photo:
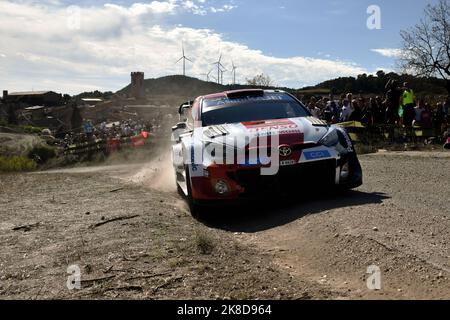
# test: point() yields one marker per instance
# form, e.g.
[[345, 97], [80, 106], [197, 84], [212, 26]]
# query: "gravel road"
[[133, 241]]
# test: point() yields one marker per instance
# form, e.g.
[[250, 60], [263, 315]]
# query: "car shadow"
[[271, 213]]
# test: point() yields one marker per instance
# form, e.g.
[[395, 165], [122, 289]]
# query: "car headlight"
[[339, 139], [331, 139], [221, 187]]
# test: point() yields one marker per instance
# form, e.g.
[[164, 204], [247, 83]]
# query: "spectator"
[[426, 119], [346, 111], [393, 95], [439, 118], [446, 106], [447, 138], [356, 114], [408, 105], [349, 97], [418, 112], [331, 112], [88, 129], [313, 108], [379, 111], [369, 113]]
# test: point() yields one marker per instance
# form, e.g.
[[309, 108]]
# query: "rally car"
[[254, 143]]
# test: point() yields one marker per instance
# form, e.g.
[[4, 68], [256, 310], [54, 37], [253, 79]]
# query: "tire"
[[196, 210], [180, 191]]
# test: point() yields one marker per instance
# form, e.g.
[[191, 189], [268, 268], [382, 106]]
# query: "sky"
[[74, 46]]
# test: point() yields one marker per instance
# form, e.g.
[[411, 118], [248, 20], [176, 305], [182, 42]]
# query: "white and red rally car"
[[257, 143]]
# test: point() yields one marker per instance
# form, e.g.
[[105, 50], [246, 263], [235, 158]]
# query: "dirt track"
[[320, 247]]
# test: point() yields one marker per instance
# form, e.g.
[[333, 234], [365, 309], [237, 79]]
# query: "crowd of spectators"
[[398, 107], [104, 131]]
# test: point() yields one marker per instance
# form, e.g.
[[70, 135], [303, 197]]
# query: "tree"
[[66, 98], [426, 46], [12, 119], [260, 80], [76, 120]]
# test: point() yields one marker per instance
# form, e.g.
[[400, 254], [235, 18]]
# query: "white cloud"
[[194, 8], [389, 52], [224, 8], [138, 9], [113, 40]]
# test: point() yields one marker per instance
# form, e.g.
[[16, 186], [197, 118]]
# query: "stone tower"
[[137, 85]]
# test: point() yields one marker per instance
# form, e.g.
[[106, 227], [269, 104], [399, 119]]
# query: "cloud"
[[137, 9], [194, 8], [51, 47], [389, 52], [224, 8]]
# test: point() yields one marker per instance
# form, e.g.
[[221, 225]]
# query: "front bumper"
[[248, 183]]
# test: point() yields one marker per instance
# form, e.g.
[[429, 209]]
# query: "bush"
[[32, 130], [16, 164], [365, 149], [42, 154], [205, 244]]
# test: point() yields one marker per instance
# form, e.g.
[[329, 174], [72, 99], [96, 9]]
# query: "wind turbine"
[[219, 70], [221, 74], [208, 75], [212, 77], [184, 58], [234, 72]]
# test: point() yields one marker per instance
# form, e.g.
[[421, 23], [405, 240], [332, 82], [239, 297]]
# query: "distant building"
[[33, 98], [137, 85], [92, 101], [35, 113]]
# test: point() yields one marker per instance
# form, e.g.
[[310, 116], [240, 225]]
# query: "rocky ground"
[[132, 237]]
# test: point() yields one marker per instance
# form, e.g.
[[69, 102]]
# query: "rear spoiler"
[[245, 93]]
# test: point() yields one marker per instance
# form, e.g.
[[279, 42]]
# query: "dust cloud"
[[157, 174]]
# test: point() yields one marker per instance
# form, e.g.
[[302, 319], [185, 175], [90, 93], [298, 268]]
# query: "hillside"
[[175, 89], [180, 86], [376, 84]]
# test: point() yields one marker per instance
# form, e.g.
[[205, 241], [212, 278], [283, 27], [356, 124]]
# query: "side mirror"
[[184, 106], [180, 126]]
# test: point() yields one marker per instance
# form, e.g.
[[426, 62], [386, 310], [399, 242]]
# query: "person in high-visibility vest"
[[408, 105]]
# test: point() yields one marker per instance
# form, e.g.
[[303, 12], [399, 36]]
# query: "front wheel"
[[196, 210]]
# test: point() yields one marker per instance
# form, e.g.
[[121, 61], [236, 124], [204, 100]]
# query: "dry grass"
[[204, 243], [16, 164]]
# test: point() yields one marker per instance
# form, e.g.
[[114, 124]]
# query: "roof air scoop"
[[245, 93]]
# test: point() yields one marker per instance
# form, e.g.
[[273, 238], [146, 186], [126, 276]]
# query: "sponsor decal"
[[284, 163], [285, 150], [267, 124], [193, 164], [349, 142], [318, 154], [264, 128]]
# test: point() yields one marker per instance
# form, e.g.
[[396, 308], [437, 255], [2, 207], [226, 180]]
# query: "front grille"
[[304, 146], [305, 176]]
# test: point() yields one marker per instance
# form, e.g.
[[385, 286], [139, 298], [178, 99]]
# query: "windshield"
[[268, 107]]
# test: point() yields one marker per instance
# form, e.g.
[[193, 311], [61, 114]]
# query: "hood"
[[291, 131]]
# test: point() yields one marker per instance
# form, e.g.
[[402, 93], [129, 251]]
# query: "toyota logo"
[[285, 151]]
